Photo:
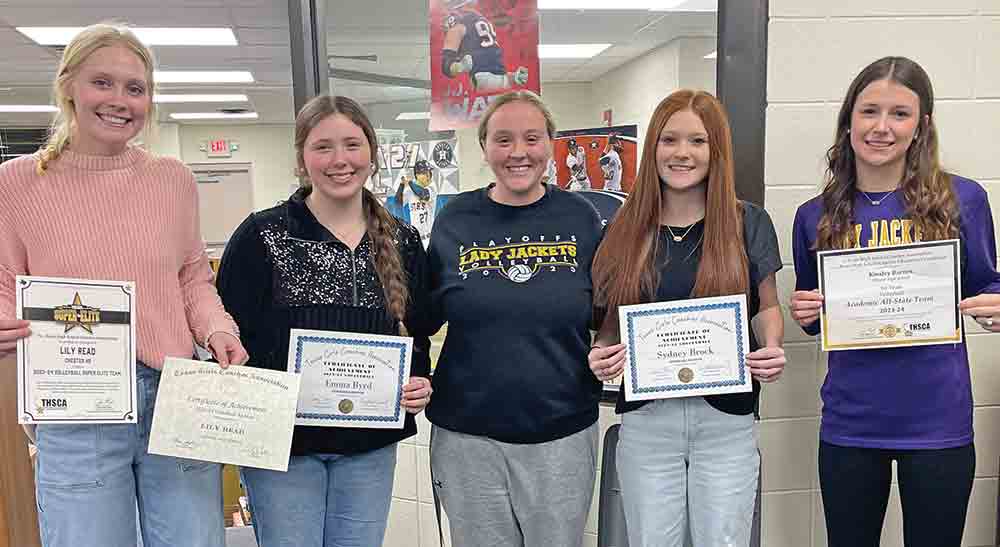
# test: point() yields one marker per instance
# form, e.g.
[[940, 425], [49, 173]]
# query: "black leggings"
[[934, 488]]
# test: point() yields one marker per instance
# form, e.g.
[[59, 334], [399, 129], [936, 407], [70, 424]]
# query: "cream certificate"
[[78, 365], [241, 415], [350, 379], [685, 348], [905, 295]]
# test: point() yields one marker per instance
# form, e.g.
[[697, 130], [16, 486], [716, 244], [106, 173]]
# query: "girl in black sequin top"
[[330, 258]]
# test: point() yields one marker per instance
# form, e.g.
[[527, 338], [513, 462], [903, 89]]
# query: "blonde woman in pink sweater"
[[89, 205]]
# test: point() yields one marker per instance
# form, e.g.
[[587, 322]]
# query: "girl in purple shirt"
[[911, 405]]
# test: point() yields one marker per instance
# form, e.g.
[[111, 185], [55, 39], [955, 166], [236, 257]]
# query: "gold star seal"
[[77, 315]]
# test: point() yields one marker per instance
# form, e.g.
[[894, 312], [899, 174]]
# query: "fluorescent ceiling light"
[[414, 116], [166, 98], [27, 108], [570, 51], [577, 5], [712, 55], [151, 36], [213, 116], [203, 77]]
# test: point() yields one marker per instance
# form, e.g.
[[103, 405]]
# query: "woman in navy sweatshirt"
[[514, 443]]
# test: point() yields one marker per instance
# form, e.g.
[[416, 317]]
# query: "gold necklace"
[[679, 238]]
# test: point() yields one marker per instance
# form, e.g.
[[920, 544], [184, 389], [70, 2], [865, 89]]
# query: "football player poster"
[[602, 158], [419, 177], [479, 49]]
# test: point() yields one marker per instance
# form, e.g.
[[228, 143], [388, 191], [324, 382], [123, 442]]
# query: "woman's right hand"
[[805, 306], [607, 362], [12, 330]]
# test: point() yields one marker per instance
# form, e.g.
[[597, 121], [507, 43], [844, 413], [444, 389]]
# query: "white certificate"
[[241, 415], [685, 348], [78, 365], [905, 295], [350, 379]]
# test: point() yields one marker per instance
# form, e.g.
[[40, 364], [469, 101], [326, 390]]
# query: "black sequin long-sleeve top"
[[282, 270]]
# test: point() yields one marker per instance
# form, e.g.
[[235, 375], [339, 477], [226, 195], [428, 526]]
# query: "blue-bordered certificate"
[[685, 348], [350, 379], [78, 365]]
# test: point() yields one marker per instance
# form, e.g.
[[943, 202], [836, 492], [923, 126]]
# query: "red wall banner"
[[479, 49]]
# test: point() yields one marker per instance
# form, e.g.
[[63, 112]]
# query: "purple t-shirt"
[[901, 398]]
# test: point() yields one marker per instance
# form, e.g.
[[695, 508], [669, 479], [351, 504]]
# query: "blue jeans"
[[324, 500], [90, 479], [684, 465]]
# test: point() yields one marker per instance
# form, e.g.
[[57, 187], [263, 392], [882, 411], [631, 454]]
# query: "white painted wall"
[[815, 48], [165, 140], [695, 71], [270, 148], [572, 105], [633, 90]]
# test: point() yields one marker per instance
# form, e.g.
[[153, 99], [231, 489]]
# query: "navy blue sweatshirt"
[[514, 285]]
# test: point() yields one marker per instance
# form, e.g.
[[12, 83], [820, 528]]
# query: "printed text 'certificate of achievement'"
[[685, 348], [350, 379], [241, 415], [78, 365], [905, 295]]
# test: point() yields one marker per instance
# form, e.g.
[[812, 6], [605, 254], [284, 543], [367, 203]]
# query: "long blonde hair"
[[382, 227], [76, 53]]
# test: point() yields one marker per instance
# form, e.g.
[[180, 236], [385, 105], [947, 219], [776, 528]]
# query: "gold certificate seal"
[[685, 375], [889, 331], [346, 406]]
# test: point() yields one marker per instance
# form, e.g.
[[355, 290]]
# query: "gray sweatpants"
[[514, 495]]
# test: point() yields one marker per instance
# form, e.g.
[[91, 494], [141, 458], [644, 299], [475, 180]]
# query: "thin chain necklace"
[[348, 237], [879, 200], [679, 238]]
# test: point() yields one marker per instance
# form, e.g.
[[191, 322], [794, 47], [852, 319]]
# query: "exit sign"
[[218, 148]]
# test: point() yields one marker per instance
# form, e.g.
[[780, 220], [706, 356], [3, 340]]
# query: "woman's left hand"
[[766, 364], [227, 349], [416, 394], [985, 309]]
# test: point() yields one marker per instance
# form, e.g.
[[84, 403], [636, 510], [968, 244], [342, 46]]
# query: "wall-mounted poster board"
[[418, 178], [599, 158]]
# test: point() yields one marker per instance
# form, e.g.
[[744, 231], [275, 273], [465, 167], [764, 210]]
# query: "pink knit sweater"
[[130, 217]]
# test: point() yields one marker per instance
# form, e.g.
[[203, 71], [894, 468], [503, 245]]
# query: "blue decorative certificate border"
[[332, 340], [736, 307]]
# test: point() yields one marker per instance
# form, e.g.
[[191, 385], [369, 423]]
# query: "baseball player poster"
[[601, 158], [418, 178], [479, 49]]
